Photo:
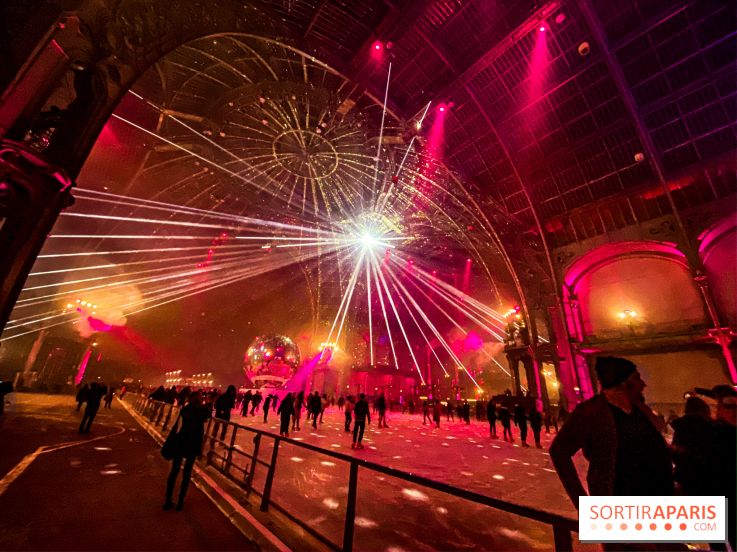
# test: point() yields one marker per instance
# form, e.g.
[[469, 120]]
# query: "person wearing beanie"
[[619, 436]]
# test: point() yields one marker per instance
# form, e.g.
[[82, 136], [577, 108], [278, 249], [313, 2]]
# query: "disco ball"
[[270, 361]]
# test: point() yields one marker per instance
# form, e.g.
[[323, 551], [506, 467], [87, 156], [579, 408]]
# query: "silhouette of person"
[[361, 412], [82, 395], [189, 446], [93, 405], [285, 411]]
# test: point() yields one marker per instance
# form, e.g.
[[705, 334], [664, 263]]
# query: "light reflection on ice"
[[441, 510], [327, 463], [365, 522], [331, 503], [414, 494], [297, 459], [497, 477]]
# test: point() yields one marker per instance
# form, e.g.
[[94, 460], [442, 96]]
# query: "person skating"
[[520, 420], [449, 408], [267, 404], [466, 409], [436, 411], [491, 417], [285, 411], [505, 417], [193, 417], [536, 424], [246, 403], [94, 398], [323, 405], [298, 404], [314, 404], [381, 409], [348, 411], [255, 402], [82, 395], [224, 404], [426, 413], [362, 415]]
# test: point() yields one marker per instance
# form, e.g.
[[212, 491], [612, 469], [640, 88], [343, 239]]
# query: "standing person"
[[491, 416], [562, 414], [426, 412], [723, 448], [255, 402], [520, 420], [267, 404], [298, 402], [505, 417], [626, 452], [109, 393], [82, 395], [348, 413], [323, 405], [536, 424], [436, 413], [467, 412], [411, 407], [381, 409], [123, 391], [691, 448], [362, 414], [246, 403], [286, 411], [183, 396], [94, 397], [449, 407], [314, 404], [189, 438], [341, 402], [223, 406]]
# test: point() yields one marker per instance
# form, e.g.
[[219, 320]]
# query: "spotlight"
[[441, 108], [368, 241], [542, 28], [639, 157], [560, 18], [468, 260], [378, 45]]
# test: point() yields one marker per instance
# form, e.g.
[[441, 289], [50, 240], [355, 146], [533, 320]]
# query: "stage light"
[[368, 241], [378, 45], [542, 28], [441, 108], [468, 260]]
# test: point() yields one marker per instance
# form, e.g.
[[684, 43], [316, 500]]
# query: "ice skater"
[[267, 404], [520, 420], [82, 395], [491, 416], [94, 398], [505, 417], [286, 411], [348, 411], [362, 415], [188, 447]]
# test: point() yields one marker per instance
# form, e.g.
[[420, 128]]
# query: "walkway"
[[98, 491]]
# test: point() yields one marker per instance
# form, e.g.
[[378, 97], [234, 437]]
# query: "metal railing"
[[221, 454]]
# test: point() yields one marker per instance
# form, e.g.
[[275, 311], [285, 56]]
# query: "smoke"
[[100, 310]]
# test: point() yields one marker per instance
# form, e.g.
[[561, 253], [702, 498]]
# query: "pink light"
[[468, 260], [542, 28], [378, 45], [441, 108]]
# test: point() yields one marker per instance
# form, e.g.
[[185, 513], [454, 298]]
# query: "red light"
[[378, 45], [468, 260], [411, 261], [441, 108], [542, 28]]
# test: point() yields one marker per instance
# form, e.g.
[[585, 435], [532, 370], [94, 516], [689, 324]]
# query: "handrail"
[[562, 526]]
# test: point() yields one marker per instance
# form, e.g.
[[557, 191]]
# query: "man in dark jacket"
[[94, 397], [505, 417], [520, 420], [491, 416], [536, 424], [223, 406], [617, 431], [361, 412]]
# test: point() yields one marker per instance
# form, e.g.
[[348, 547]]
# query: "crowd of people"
[[623, 440]]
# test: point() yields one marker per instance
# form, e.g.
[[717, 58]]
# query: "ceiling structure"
[[565, 120]]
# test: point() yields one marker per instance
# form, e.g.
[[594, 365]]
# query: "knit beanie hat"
[[612, 371]]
